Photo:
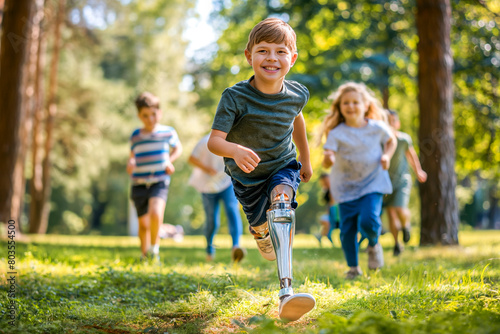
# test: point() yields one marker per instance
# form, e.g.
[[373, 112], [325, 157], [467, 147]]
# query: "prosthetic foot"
[[295, 306], [281, 222]]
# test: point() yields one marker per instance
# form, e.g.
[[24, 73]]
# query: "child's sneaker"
[[375, 257], [295, 306], [352, 273], [406, 234], [266, 248], [264, 244], [154, 258], [238, 253], [398, 248]]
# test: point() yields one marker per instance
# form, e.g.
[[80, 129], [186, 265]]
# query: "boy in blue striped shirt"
[[154, 148]]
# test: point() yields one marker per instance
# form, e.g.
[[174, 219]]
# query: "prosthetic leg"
[[281, 222]]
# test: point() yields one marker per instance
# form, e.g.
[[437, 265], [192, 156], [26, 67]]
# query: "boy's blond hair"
[[334, 117], [272, 30], [147, 100]]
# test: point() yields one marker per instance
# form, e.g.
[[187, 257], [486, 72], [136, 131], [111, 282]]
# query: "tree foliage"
[[374, 42], [114, 49]]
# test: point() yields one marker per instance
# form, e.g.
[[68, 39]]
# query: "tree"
[[13, 59], [439, 207], [40, 206]]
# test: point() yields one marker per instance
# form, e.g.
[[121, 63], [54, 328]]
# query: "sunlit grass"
[[95, 284]]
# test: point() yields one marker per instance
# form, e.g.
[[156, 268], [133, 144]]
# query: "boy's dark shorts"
[[256, 199], [141, 193]]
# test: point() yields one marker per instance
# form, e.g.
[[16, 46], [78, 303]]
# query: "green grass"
[[93, 284]]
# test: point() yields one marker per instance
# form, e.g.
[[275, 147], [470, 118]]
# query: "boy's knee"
[[282, 189], [144, 223], [155, 215], [403, 212]]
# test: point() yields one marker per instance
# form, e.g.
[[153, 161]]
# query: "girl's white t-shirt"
[[203, 182], [357, 170]]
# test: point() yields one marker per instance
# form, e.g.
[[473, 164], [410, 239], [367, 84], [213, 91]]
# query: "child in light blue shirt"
[[359, 148]]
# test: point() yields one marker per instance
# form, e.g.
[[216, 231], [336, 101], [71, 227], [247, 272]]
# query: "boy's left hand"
[[306, 171], [169, 169], [385, 161]]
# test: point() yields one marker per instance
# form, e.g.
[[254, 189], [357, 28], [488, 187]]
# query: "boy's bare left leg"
[[395, 227], [404, 218], [156, 210], [394, 223], [281, 222], [144, 234]]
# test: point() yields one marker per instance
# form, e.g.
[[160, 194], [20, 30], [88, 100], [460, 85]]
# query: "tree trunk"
[[439, 208], [34, 28], [13, 59], [40, 220], [35, 184]]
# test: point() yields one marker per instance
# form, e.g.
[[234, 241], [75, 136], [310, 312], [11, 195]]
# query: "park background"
[[90, 62], [70, 70]]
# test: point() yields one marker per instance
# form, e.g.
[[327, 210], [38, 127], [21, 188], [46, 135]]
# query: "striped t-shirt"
[[152, 152]]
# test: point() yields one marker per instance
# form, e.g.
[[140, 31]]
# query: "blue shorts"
[[141, 194], [255, 200]]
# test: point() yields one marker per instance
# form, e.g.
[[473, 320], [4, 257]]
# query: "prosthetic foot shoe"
[[295, 306]]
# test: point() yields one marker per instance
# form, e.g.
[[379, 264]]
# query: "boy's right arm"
[[131, 163], [246, 159]]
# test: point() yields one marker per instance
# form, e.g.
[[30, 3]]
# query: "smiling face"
[[149, 117], [270, 63], [353, 108]]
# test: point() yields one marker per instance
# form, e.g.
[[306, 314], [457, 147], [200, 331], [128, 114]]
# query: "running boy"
[[154, 148], [253, 129], [397, 202]]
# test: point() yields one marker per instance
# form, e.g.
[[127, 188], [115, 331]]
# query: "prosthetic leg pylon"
[[281, 222]]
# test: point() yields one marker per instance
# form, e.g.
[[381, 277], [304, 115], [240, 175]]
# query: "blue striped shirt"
[[152, 152]]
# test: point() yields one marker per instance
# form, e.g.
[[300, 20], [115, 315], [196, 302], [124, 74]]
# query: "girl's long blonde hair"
[[334, 117]]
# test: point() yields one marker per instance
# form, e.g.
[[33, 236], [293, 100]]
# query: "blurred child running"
[[154, 148], [396, 203], [359, 146], [209, 179]]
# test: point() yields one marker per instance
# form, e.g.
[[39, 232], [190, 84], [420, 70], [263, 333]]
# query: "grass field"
[[93, 284]]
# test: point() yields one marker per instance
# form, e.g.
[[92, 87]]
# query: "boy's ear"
[[294, 58], [248, 56]]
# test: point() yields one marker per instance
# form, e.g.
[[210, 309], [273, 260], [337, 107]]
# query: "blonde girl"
[[359, 146]]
